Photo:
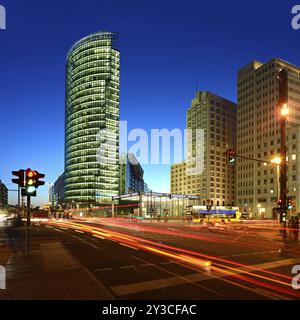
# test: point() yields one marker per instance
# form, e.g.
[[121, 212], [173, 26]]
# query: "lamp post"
[[283, 100], [277, 161], [49, 198]]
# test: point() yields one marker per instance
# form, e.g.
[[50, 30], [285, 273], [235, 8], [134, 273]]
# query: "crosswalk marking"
[[196, 277]]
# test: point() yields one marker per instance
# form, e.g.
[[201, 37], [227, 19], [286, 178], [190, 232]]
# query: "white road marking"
[[96, 236], [126, 245], [145, 286], [127, 267], [103, 269]]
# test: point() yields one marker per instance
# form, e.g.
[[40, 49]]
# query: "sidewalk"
[[48, 272]]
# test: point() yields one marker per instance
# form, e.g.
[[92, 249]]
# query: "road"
[[140, 260]]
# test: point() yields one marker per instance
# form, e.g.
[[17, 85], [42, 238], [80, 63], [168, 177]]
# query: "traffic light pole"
[[19, 207], [28, 223]]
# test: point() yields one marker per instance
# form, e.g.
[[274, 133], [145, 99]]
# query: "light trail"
[[216, 239], [189, 257]]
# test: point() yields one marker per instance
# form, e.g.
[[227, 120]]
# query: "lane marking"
[[249, 254], [167, 262], [93, 246], [147, 265], [103, 269], [192, 278], [127, 267], [85, 241], [157, 284], [96, 236], [128, 246]]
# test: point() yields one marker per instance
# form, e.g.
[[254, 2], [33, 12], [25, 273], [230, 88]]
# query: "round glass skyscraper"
[[92, 108]]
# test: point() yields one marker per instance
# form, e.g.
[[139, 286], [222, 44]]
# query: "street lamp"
[[284, 110], [276, 160]]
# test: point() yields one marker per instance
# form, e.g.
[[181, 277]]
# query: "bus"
[[201, 214]]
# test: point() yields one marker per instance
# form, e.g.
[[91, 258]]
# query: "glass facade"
[[149, 205], [131, 174], [92, 106]]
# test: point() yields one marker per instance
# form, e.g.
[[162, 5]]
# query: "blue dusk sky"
[[165, 46]]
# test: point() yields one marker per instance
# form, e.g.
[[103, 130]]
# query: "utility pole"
[[283, 111]]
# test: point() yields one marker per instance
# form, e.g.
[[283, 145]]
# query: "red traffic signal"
[[32, 178], [21, 179], [231, 156]]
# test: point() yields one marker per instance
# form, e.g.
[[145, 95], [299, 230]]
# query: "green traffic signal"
[[231, 157], [290, 205], [30, 189]]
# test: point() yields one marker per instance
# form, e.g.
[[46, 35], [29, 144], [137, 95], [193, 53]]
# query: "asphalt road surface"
[[140, 260]]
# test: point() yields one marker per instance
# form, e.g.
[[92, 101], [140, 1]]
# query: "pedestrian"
[[15, 235], [166, 217]]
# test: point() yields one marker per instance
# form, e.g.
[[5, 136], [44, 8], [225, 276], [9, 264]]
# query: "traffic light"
[[21, 180], [281, 206], [231, 156], [32, 182], [30, 188], [283, 217], [39, 176], [290, 204], [280, 203]]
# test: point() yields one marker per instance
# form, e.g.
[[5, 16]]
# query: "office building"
[[217, 117], [259, 136], [92, 121], [178, 178], [3, 195], [57, 192], [131, 174]]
